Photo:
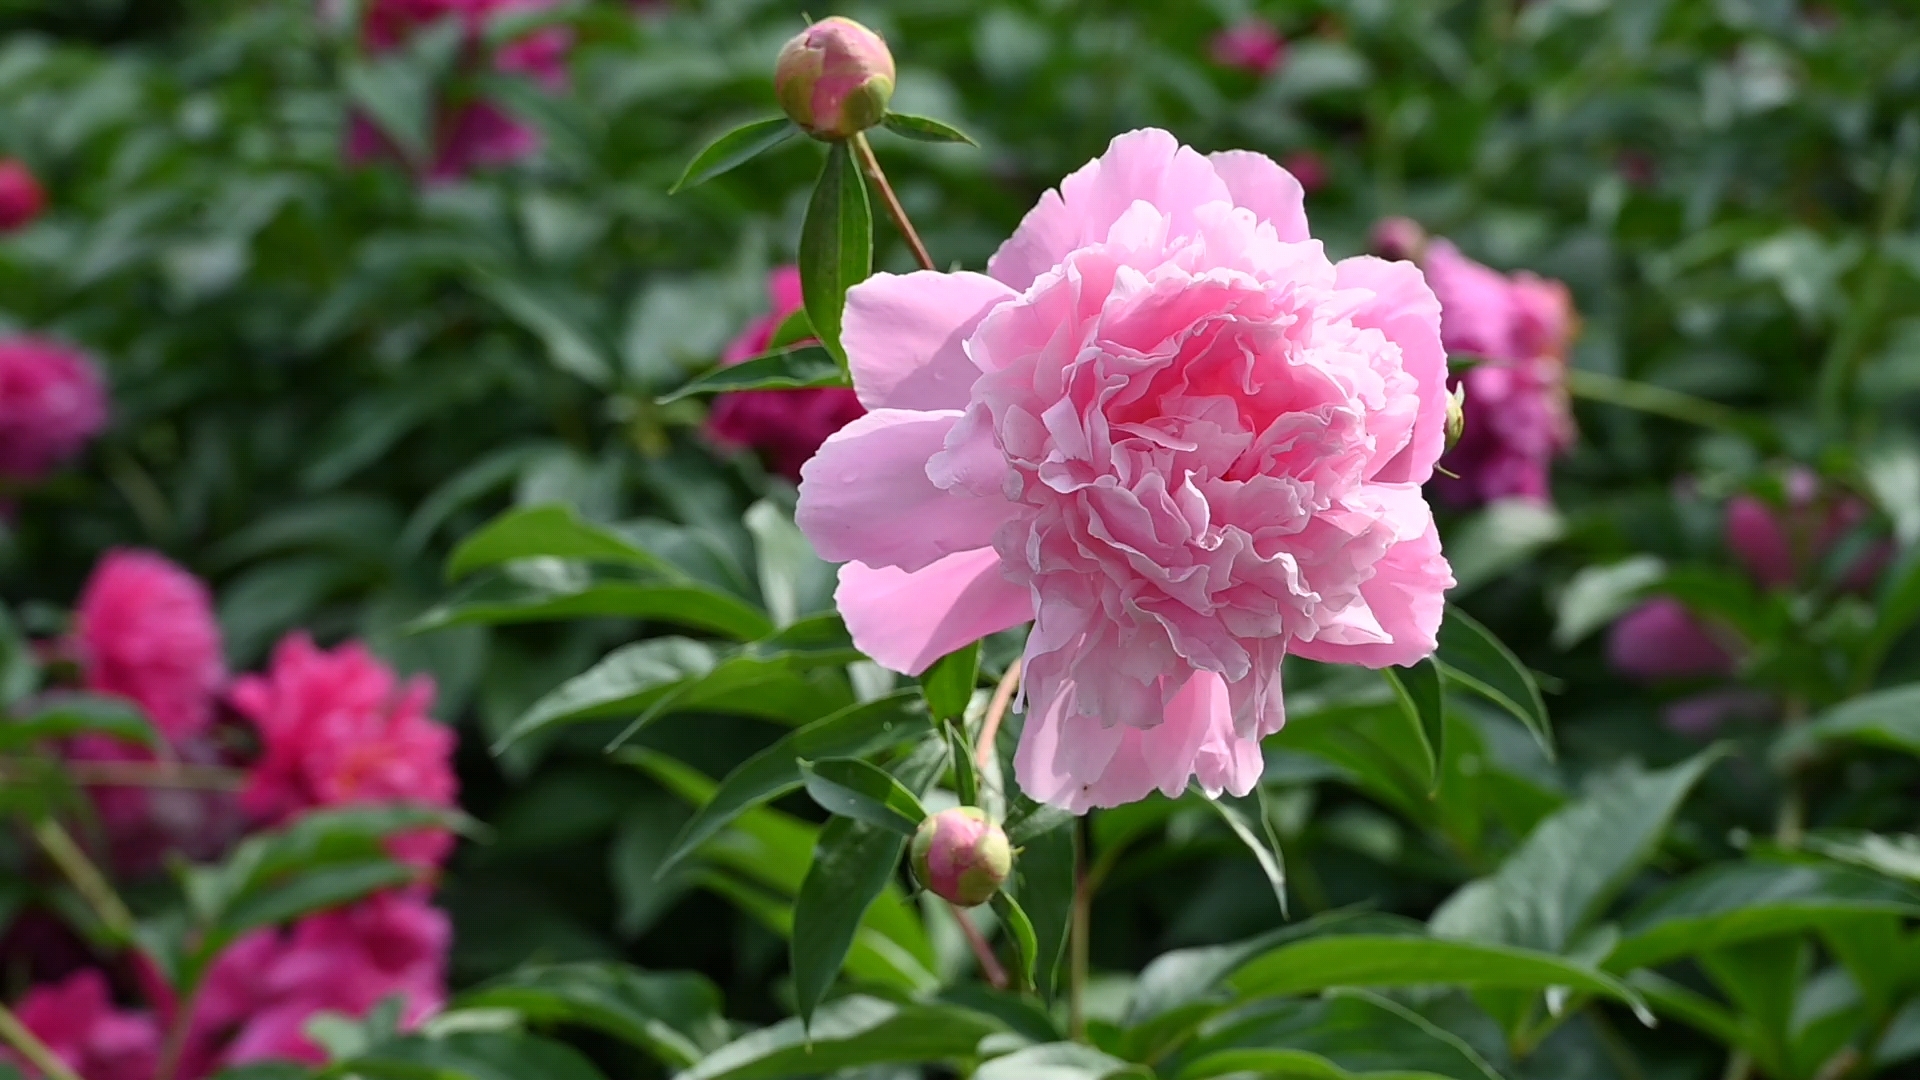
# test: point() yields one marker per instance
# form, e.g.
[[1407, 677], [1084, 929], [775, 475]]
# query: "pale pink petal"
[[865, 496], [906, 337], [1407, 595], [1258, 183], [906, 621], [1404, 309], [1148, 165]]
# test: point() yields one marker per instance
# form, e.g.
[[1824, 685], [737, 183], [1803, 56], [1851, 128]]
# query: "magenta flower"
[[52, 400], [1168, 429], [1661, 639], [144, 630], [1518, 418], [1778, 546], [1253, 45], [77, 1020], [21, 197], [787, 426], [339, 729]]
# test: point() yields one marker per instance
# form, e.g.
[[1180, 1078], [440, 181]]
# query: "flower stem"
[[38, 1054], [870, 165], [151, 774], [86, 878], [996, 711], [1078, 932], [990, 965], [175, 1045]]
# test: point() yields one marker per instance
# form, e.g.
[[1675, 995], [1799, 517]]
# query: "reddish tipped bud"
[[835, 78], [961, 856], [1399, 238], [21, 198]]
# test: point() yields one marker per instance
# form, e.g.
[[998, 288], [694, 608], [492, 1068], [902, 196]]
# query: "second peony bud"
[[835, 78], [961, 856]]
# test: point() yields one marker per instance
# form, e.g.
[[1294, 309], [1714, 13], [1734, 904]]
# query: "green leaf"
[[949, 683], [398, 96], [734, 149], [794, 367], [1356, 1030], [19, 671], [1059, 1061], [1733, 903], [925, 129], [674, 1017], [1565, 872], [851, 788], [1020, 935], [836, 245], [471, 1055], [1762, 978], [1424, 704], [1898, 607], [852, 863], [1670, 999], [1315, 964], [551, 531], [1599, 594], [1897, 856], [1470, 655], [792, 330], [1263, 843], [850, 1033], [572, 343], [1488, 544], [795, 582], [66, 714], [554, 592], [966, 773], [854, 731], [1043, 880], [627, 681], [1286, 1065], [1887, 719]]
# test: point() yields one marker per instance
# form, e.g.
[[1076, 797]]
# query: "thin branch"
[[86, 878], [37, 1053], [871, 166], [996, 711], [982, 951], [150, 774], [1079, 930]]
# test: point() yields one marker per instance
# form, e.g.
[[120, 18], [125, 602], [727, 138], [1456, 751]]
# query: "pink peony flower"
[[788, 426], [1778, 546], [1702, 715], [1518, 418], [1169, 430], [77, 1020], [339, 729], [1661, 639], [1253, 45], [261, 992], [145, 630], [52, 401], [21, 197]]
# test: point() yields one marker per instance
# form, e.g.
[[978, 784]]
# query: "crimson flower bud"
[[961, 856], [21, 198], [835, 78]]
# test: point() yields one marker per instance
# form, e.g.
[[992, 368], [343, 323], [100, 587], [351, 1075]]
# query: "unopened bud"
[[1456, 415], [961, 856], [835, 78], [1399, 238], [21, 198]]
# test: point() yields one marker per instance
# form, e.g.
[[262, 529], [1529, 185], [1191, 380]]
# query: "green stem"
[[1658, 400], [1078, 930], [1791, 826], [38, 1054], [1739, 1066], [1842, 362], [870, 164], [86, 878]]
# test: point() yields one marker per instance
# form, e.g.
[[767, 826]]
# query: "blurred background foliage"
[[323, 375]]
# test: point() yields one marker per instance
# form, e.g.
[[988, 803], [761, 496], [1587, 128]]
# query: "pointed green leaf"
[[468, 1055], [508, 598], [1261, 841], [735, 148], [553, 531], [849, 1033], [66, 714], [1423, 703], [949, 683], [795, 367], [1059, 1061], [836, 245], [1020, 934], [673, 1016], [1286, 1065], [852, 863], [792, 330], [966, 773], [1887, 719], [925, 129], [1043, 878], [1470, 655], [854, 789]]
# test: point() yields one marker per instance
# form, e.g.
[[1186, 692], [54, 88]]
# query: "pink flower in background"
[[339, 729], [1308, 167], [1779, 546], [1169, 430], [77, 1020], [145, 631], [1253, 45], [1661, 639], [262, 991], [21, 197], [787, 426], [52, 400], [1517, 412]]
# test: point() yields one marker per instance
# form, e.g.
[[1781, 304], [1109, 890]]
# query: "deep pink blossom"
[[145, 630], [1661, 639], [77, 1020], [1781, 545], [1518, 418], [785, 425], [52, 400], [340, 729], [1253, 45], [1164, 426], [21, 197], [262, 991]]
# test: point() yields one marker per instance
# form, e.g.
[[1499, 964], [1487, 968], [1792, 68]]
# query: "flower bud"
[[835, 78], [961, 856], [1456, 415], [21, 198], [1399, 238]]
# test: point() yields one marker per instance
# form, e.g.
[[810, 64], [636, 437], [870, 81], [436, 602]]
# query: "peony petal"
[[865, 496], [906, 621], [1148, 165], [1407, 596], [1262, 186], [1404, 309], [906, 337]]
